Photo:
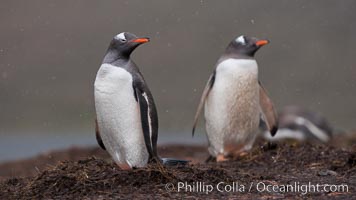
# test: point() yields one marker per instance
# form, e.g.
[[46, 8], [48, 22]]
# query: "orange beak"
[[262, 42], [141, 40]]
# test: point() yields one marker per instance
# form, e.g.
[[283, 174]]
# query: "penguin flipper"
[[205, 94], [98, 137], [269, 114], [144, 105]]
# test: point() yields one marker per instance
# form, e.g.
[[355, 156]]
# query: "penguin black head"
[[124, 43], [245, 46]]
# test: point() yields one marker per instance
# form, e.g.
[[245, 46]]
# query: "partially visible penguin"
[[127, 121], [235, 102], [296, 123]]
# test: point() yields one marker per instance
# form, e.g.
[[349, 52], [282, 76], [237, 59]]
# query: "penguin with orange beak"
[[235, 102], [127, 121]]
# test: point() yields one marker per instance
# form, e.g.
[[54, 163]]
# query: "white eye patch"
[[241, 40], [120, 36]]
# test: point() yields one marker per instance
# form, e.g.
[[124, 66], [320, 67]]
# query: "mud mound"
[[245, 177]]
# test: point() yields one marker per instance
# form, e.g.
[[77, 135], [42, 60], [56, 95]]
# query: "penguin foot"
[[173, 162], [221, 158], [124, 166]]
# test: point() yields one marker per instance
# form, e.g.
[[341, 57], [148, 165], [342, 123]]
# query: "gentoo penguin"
[[235, 101], [127, 122], [296, 123]]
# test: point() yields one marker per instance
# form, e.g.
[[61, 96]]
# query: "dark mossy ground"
[[90, 174]]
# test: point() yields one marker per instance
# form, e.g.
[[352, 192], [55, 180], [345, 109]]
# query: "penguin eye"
[[122, 40]]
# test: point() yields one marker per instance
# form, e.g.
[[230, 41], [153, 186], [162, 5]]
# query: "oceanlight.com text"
[[266, 187]]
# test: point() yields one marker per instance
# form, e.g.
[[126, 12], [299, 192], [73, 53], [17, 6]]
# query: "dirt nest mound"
[[282, 164]]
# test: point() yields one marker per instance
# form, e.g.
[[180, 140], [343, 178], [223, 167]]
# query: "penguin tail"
[[173, 162]]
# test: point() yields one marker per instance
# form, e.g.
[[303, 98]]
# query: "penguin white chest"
[[118, 116], [232, 108]]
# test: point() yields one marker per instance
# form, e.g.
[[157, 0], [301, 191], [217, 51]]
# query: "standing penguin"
[[127, 121], [235, 102]]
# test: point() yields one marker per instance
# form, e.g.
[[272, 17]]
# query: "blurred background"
[[51, 50]]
